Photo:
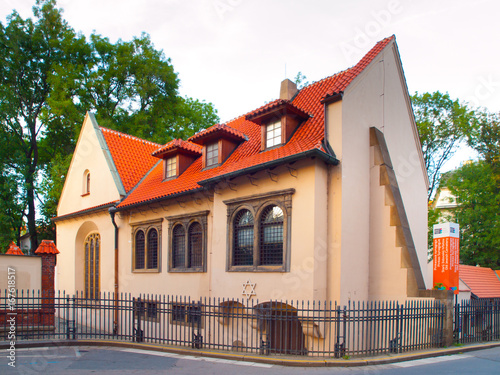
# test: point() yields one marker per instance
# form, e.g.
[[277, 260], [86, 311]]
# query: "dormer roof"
[[218, 131], [276, 108], [177, 146]]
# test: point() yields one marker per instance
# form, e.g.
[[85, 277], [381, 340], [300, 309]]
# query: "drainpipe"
[[112, 212]]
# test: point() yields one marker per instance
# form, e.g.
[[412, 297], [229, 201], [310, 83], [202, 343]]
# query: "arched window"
[[271, 236], [195, 245], [86, 182], [92, 275], [146, 248], [243, 238], [188, 242], [152, 254], [140, 246], [178, 246]]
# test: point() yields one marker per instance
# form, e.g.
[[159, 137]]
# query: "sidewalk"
[[299, 361]]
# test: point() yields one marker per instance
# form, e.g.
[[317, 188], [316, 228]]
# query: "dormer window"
[[278, 121], [177, 156], [212, 154], [273, 134], [171, 167], [219, 142]]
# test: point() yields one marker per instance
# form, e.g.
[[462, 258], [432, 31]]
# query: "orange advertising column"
[[446, 256]]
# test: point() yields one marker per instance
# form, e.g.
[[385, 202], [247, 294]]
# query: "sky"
[[235, 53]]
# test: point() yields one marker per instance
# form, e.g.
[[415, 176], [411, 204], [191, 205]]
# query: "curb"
[[280, 361]]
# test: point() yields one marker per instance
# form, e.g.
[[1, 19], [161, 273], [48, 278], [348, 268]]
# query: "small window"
[[171, 167], [86, 183], [273, 134], [212, 154], [146, 239], [188, 242], [187, 314], [146, 310]]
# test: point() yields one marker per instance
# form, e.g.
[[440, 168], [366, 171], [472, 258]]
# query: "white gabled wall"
[[89, 155], [376, 98]]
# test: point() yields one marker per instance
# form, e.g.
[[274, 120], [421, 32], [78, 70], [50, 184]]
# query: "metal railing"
[[477, 321], [268, 328]]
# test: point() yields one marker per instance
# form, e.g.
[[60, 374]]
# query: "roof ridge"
[[132, 137]]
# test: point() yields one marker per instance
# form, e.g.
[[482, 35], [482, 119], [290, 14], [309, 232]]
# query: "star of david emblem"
[[249, 289]]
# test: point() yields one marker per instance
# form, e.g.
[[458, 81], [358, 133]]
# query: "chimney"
[[288, 89]]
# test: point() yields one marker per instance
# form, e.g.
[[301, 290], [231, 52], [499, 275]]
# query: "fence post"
[[138, 311], [196, 320]]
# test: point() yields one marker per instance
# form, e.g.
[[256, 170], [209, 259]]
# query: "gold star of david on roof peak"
[[249, 289]]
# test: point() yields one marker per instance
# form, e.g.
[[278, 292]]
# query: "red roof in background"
[[308, 136], [47, 247], [498, 273], [132, 156], [177, 144], [482, 281], [14, 249]]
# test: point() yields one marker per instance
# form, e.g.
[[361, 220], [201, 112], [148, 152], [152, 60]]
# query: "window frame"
[[170, 173], [216, 151], [146, 227], [276, 140], [86, 183], [145, 308], [257, 205], [187, 313], [92, 266], [186, 221]]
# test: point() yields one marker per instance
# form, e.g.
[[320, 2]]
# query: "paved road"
[[108, 360]]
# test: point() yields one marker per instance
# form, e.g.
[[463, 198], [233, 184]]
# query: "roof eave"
[[158, 199], [271, 164]]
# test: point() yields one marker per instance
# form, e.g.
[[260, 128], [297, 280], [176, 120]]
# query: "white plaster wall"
[[27, 272], [88, 156], [376, 98], [71, 235]]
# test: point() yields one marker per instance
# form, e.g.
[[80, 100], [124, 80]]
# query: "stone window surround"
[[145, 226], [256, 204], [186, 220]]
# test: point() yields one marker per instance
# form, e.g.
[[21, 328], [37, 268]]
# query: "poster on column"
[[446, 256]]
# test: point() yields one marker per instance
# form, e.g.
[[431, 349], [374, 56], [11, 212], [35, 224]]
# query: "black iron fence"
[[271, 327], [477, 321]]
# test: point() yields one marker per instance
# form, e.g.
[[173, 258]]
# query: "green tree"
[[478, 198], [443, 124], [50, 76], [29, 51]]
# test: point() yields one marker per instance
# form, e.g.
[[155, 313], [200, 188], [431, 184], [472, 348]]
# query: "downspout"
[[112, 212]]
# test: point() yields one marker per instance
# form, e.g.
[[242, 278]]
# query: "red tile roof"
[[482, 281], [177, 145], [14, 249], [308, 137], [273, 107], [218, 130], [498, 273], [132, 156], [47, 247]]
